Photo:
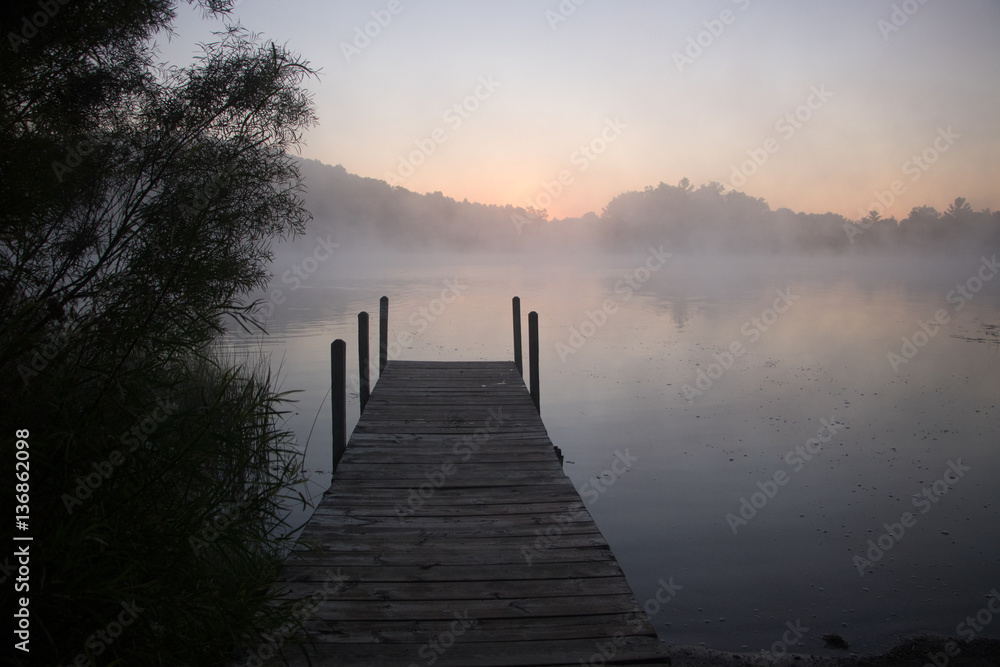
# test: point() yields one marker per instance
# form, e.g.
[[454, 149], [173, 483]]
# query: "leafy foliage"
[[137, 207]]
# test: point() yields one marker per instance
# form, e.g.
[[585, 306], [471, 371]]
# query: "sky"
[[563, 104]]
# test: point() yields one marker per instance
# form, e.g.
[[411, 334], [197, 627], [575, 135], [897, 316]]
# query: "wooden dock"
[[450, 534], [458, 539]]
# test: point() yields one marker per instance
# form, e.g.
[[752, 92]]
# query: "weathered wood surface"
[[497, 562]]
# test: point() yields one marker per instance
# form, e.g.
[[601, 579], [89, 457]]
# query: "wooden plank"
[[457, 543], [590, 587], [500, 438], [628, 650], [524, 607], [401, 456], [460, 523], [308, 571], [357, 493], [494, 512], [332, 560], [542, 628], [478, 475], [450, 500]]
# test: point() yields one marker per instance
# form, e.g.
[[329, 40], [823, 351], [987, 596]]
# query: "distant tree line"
[[361, 211], [709, 218]]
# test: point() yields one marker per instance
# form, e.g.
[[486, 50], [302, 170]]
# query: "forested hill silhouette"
[[361, 211]]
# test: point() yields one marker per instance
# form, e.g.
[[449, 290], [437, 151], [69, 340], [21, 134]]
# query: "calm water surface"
[[646, 371]]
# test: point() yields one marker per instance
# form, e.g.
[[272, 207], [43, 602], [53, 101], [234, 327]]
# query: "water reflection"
[[619, 383]]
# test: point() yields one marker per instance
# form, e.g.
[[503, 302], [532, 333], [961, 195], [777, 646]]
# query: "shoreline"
[[912, 652]]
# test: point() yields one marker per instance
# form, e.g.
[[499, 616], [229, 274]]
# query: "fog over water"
[[761, 240], [712, 374]]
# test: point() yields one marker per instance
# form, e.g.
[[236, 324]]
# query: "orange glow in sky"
[[812, 106]]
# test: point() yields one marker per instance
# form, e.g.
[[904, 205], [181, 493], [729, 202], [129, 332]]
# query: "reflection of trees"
[[680, 311]]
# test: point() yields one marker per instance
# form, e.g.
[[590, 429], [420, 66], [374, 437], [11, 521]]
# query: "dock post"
[[363, 363], [383, 334], [338, 389], [516, 302], [533, 357]]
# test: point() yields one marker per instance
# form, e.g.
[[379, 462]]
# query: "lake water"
[[756, 526]]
